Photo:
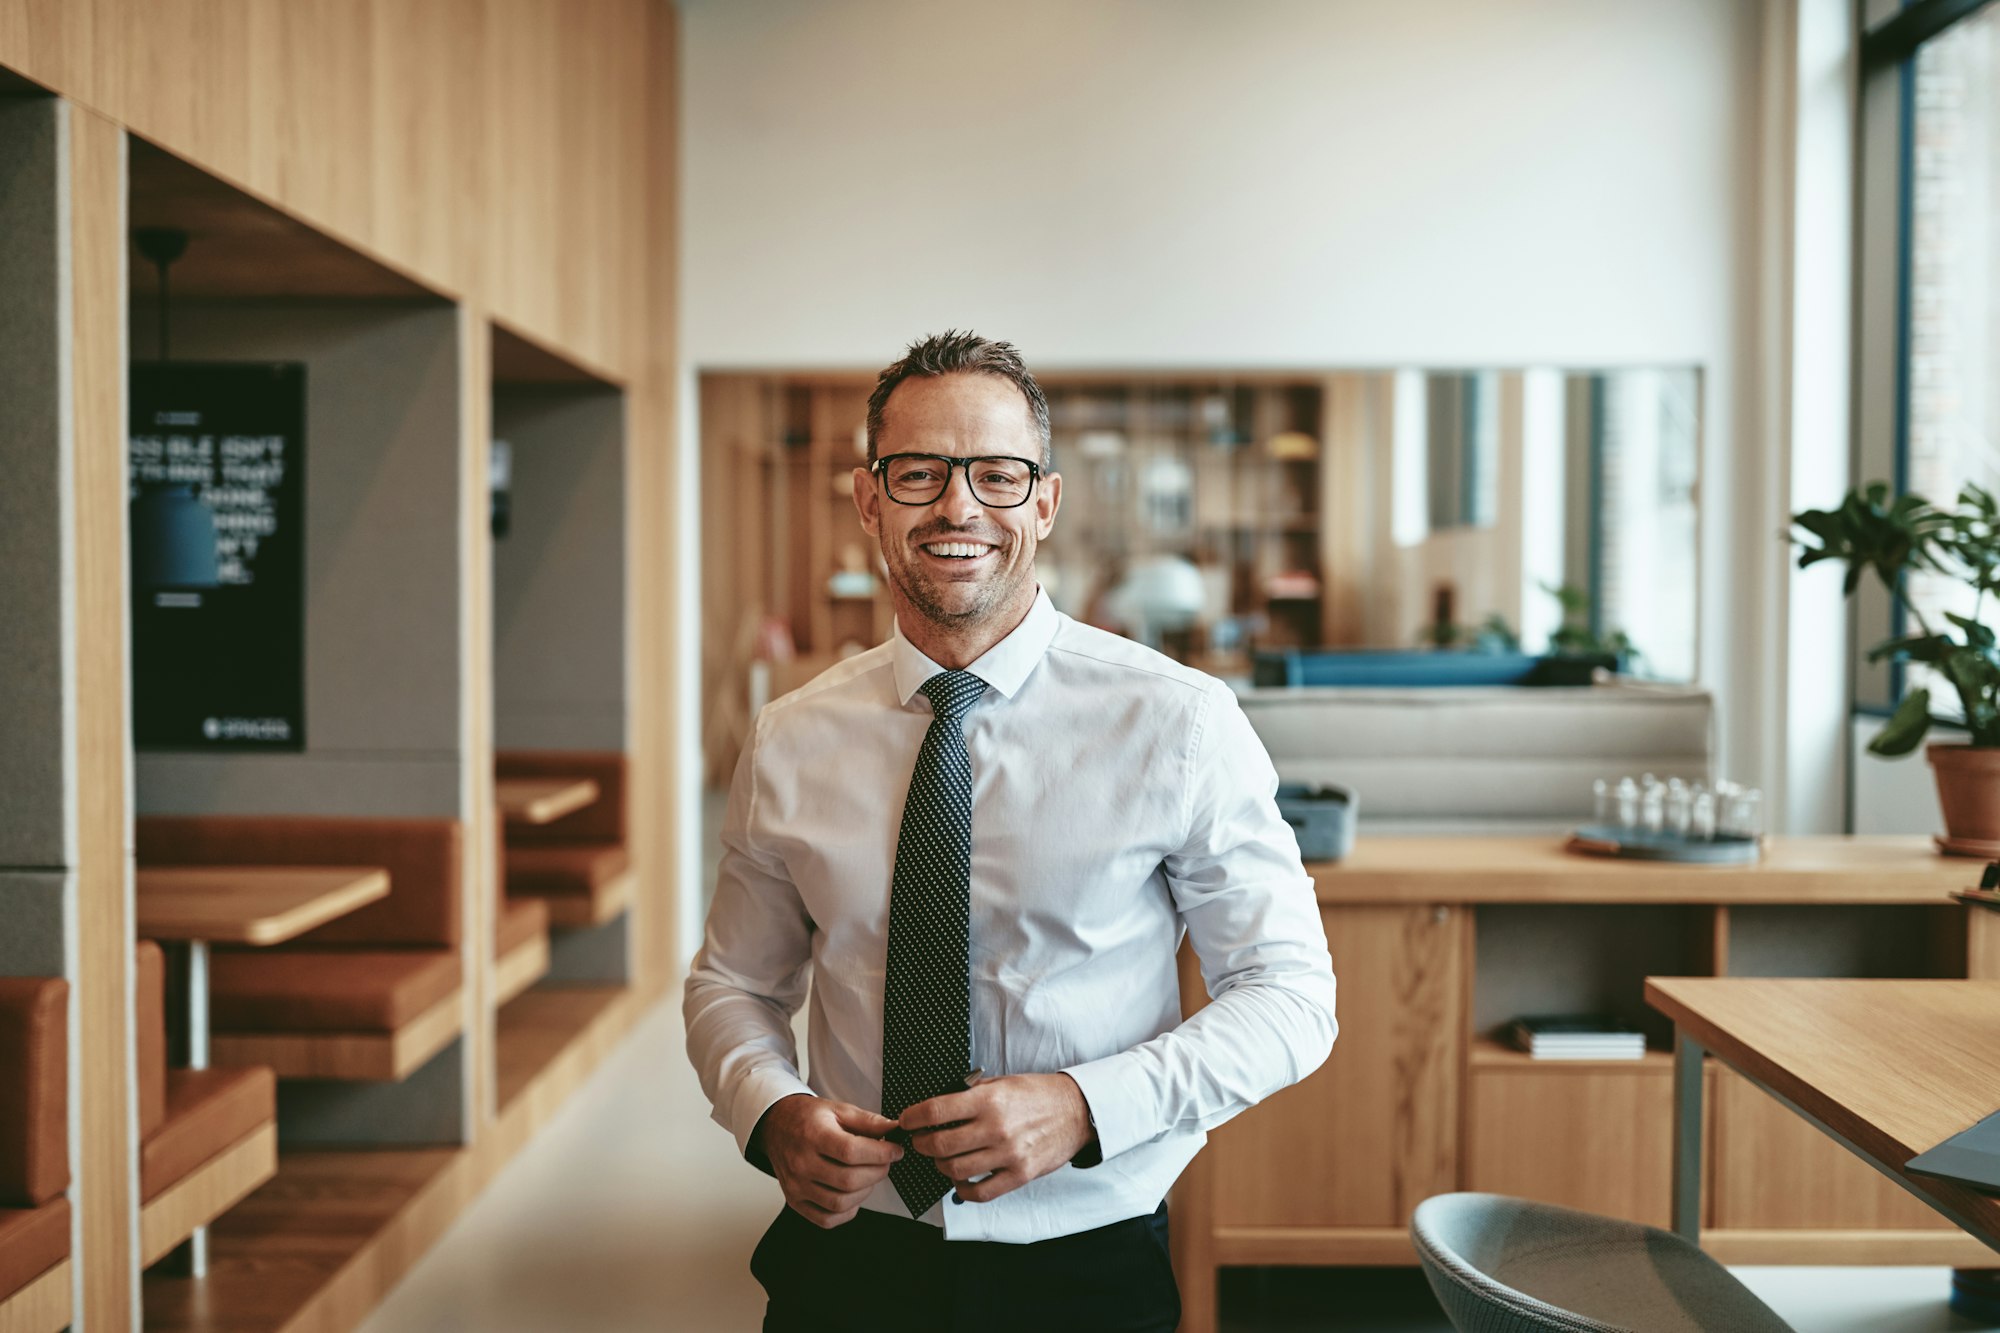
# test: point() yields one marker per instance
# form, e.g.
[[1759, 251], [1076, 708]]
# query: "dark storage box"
[[1321, 815]]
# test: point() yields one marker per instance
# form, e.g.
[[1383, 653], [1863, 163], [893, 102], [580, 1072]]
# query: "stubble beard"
[[926, 596]]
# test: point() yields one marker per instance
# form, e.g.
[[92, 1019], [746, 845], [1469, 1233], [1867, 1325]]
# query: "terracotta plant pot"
[[1968, 780]]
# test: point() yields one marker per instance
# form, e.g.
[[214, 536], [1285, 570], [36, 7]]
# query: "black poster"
[[217, 487]]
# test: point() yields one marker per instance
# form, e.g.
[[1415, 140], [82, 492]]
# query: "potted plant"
[[1893, 536]]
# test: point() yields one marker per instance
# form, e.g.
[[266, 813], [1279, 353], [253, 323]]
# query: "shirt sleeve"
[[1253, 919], [751, 974]]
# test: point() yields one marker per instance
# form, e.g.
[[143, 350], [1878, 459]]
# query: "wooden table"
[[1888, 1068], [258, 905], [196, 906], [545, 800]]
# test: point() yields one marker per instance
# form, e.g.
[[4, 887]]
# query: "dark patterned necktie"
[[926, 986]]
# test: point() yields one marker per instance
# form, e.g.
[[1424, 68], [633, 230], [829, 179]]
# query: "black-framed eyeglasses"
[[998, 481]]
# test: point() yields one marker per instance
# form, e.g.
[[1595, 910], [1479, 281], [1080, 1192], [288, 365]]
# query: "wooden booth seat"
[[580, 864], [207, 1137], [370, 996], [34, 1154], [582, 885]]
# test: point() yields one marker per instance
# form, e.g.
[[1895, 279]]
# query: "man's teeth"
[[956, 548]]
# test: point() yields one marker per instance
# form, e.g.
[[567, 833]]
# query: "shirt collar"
[[1005, 666]]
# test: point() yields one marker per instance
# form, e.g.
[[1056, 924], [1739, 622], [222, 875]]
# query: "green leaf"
[[1905, 727], [1927, 648], [1976, 634]]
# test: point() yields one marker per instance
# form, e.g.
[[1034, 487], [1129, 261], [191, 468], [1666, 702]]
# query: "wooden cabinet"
[[1437, 942], [1372, 1133], [1595, 1135], [1329, 1170]]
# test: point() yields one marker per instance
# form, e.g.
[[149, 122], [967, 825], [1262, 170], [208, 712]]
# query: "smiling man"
[[981, 843]]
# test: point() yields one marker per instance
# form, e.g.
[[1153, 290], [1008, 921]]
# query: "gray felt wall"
[[385, 551], [559, 669], [36, 710]]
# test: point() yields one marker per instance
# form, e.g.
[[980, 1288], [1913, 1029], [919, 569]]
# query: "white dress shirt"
[[1119, 798]]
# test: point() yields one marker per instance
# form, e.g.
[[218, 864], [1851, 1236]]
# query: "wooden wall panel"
[[105, 1177], [504, 148]]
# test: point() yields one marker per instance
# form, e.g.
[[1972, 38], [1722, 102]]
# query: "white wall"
[[1263, 183]]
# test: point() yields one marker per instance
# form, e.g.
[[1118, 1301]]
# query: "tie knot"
[[952, 692]]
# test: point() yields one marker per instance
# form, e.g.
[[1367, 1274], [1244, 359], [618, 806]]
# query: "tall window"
[[1951, 395]]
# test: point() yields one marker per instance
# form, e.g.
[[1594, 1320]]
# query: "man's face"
[[954, 561]]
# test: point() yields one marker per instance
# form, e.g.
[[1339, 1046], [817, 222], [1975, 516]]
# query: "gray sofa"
[[1499, 759]]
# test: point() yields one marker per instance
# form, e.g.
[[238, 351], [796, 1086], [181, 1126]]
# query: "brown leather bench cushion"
[[150, 1018], [562, 870], [207, 1111], [603, 820], [34, 1090], [422, 857], [327, 990], [32, 1241], [521, 920]]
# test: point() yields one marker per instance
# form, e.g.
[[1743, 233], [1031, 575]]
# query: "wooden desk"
[[1538, 870], [1887, 1068], [545, 800], [1436, 941]]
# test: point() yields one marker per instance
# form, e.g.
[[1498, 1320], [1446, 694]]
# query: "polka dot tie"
[[926, 990]]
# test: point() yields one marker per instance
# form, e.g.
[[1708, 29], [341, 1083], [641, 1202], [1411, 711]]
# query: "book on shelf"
[[1576, 1037]]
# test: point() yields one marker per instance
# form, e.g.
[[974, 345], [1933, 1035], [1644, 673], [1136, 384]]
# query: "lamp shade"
[[173, 540]]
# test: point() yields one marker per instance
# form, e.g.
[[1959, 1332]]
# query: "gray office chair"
[[1501, 1265]]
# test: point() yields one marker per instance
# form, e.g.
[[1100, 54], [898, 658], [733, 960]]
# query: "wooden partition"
[[491, 161]]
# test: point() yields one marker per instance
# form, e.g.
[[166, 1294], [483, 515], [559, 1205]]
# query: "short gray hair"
[[961, 353]]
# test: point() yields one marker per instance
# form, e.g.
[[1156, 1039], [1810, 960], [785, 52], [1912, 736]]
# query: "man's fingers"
[[854, 1150], [859, 1120], [957, 1139], [944, 1110], [820, 1217], [972, 1164], [849, 1179], [991, 1188], [821, 1198]]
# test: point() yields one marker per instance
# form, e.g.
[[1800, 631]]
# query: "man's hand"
[[1009, 1130], [826, 1154]]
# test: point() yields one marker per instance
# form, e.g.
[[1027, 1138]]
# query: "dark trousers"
[[889, 1274]]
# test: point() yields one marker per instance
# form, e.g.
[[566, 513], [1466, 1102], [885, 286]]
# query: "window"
[[1930, 245]]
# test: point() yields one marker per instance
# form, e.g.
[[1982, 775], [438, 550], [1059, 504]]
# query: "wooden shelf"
[[328, 1235], [538, 1026], [1486, 1053]]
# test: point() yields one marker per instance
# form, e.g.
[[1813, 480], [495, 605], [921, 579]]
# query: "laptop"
[[1971, 1157]]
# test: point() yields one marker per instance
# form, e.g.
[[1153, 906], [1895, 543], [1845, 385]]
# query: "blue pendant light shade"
[[173, 540]]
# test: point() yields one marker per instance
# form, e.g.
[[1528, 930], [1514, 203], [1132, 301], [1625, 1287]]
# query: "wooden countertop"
[[1538, 870], [1894, 1067], [250, 904], [545, 800]]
